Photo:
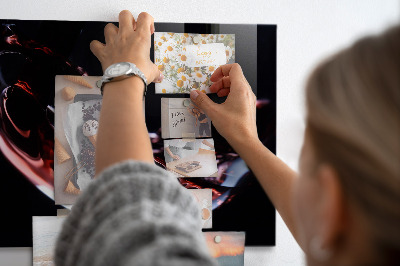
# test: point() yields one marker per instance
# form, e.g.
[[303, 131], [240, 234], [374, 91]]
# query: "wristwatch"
[[120, 71]]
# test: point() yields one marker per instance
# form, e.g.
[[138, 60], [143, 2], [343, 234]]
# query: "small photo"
[[204, 199], [226, 247], [77, 112], [191, 157], [45, 230], [180, 118], [188, 60]]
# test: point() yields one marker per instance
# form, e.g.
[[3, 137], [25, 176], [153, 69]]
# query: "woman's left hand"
[[130, 42]]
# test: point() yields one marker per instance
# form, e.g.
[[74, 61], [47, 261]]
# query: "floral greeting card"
[[188, 60]]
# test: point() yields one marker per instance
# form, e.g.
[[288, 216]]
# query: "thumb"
[[202, 101], [157, 75]]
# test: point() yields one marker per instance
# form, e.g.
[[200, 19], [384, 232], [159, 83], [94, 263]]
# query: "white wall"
[[307, 32]]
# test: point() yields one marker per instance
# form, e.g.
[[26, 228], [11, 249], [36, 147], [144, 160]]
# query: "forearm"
[[275, 177], [122, 133], [169, 152]]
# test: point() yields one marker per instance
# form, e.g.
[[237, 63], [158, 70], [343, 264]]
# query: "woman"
[[343, 208], [201, 117]]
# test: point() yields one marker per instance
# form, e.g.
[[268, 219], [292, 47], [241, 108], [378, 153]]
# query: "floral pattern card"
[[180, 118], [188, 60], [204, 199]]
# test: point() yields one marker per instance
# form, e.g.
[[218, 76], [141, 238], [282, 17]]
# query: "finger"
[[96, 47], [201, 100], [152, 28], [145, 23], [110, 31], [223, 92], [225, 82], [158, 76], [227, 70], [126, 21]]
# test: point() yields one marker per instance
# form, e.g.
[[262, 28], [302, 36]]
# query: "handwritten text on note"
[[211, 54]]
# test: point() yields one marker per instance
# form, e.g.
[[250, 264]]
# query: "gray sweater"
[[134, 213]]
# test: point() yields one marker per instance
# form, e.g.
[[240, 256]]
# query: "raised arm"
[[235, 120], [122, 131]]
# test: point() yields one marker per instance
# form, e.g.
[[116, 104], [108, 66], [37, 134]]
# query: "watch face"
[[117, 69]]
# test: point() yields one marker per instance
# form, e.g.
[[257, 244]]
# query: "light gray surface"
[[307, 32], [15, 256]]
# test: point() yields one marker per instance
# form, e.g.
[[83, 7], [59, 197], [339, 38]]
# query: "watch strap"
[[134, 71]]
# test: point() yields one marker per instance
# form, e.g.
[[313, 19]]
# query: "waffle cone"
[[61, 153], [93, 140], [71, 189], [78, 80]]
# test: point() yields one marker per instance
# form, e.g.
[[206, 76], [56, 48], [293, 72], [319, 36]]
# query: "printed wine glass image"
[[45, 68], [191, 157], [27, 69]]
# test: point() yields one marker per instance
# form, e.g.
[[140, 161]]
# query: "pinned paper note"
[[204, 200], [205, 55], [180, 118]]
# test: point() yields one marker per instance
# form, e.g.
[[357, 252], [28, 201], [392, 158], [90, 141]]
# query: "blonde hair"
[[353, 120]]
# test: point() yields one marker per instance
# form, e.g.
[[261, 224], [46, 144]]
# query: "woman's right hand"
[[235, 119]]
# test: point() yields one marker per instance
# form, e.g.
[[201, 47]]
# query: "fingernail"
[[194, 94], [160, 78]]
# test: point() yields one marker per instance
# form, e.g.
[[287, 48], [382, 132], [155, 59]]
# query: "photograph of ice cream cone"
[[191, 157], [188, 60], [77, 111], [204, 199], [89, 129], [180, 117], [226, 247]]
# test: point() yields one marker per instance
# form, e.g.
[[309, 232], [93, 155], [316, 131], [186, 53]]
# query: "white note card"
[[210, 54]]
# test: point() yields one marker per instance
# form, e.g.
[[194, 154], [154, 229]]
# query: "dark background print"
[[33, 52]]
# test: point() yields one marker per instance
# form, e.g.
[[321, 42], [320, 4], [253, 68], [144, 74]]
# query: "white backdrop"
[[307, 32]]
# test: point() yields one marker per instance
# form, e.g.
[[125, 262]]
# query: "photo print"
[[188, 60], [226, 247], [204, 199], [77, 111], [180, 118], [191, 157], [45, 230]]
